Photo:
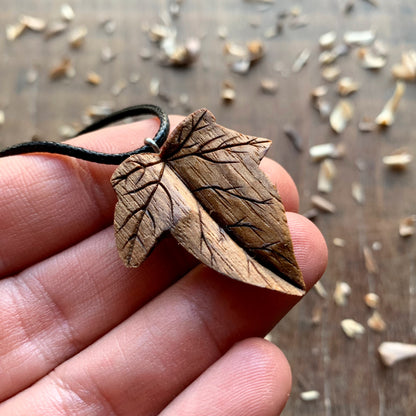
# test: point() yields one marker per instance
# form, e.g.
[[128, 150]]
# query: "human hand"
[[81, 334]]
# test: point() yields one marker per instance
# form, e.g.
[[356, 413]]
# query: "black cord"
[[91, 155]]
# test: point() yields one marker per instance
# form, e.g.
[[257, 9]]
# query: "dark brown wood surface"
[[347, 372]]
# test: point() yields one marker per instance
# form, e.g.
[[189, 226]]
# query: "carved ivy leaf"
[[206, 189]]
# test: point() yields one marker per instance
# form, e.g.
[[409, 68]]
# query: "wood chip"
[[370, 261], [2, 117], [67, 12], [154, 87], [323, 204], [376, 322], [100, 110], [294, 137], [61, 69], [407, 226], [357, 193], [324, 108], [326, 175], [393, 352], [341, 293], [331, 73], [269, 85], [327, 57], [311, 395], [387, 115], [33, 23], [320, 289], [339, 242], [347, 86], [359, 38], [301, 60], [340, 116], [398, 160], [13, 31], [93, 78], [77, 37], [372, 300], [327, 40], [369, 60], [351, 328], [406, 70]]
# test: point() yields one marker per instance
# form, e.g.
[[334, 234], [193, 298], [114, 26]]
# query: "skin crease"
[[82, 334]]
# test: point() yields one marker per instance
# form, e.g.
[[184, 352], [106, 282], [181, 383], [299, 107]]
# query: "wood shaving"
[[393, 352], [327, 40], [323, 204], [357, 193], [134, 78], [2, 117], [311, 214], [320, 289], [222, 32], [55, 28], [370, 262], [324, 108], [372, 300], [326, 175], [387, 115], [376, 322], [319, 92], [347, 86], [327, 57], [107, 54], [32, 75], [93, 78], [367, 126], [398, 160], [109, 26], [119, 87], [339, 242], [340, 116], [369, 60], [154, 87], [61, 70], [406, 70], [301, 60], [67, 12], [322, 151], [100, 110], [331, 73], [77, 37], [351, 328], [359, 38], [341, 293], [269, 86], [311, 395], [407, 226], [294, 137], [14, 31], [228, 93], [33, 23]]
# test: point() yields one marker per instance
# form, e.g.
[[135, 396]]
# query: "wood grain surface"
[[347, 372]]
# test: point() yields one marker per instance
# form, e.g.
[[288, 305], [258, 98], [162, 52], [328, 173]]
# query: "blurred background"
[[338, 73]]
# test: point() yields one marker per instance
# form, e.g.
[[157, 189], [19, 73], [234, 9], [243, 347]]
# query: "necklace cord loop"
[[91, 155]]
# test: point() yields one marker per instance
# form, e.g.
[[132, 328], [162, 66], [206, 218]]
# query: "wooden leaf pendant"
[[206, 189]]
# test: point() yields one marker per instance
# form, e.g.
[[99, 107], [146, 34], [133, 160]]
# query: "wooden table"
[[347, 372]]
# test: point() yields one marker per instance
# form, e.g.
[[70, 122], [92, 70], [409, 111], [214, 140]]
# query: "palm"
[[82, 334]]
